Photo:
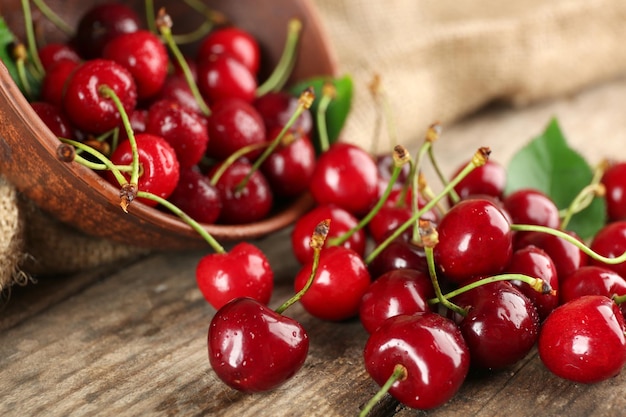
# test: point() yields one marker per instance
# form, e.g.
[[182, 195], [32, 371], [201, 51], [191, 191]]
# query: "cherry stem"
[[20, 56], [580, 245], [164, 25], [536, 284], [212, 15], [375, 90], [400, 157], [432, 136], [585, 196], [54, 18], [480, 158], [317, 243], [304, 103], [328, 94], [399, 373], [277, 80], [239, 153], [150, 17], [100, 156], [30, 38], [619, 299]]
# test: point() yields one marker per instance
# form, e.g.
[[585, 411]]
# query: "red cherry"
[[176, 88], [593, 280], [54, 118], [341, 221], [143, 54], [398, 254], [529, 206], [341, 280], [252, 348], [432, 350], [401, 291], [244, 271], [84, 103], [475, 239], [583, 340], [387, 220], [221, 77], [196, 196], [614, 181], [386, 165], [53, 53], [234, 42], [53, 83], [277, 107], [610, 242], [159, 171], [488, 179], [345, 175]]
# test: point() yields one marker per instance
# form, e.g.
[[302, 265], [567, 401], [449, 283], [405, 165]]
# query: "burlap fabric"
[[438, 60]]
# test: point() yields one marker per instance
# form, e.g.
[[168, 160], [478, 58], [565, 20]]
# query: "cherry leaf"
[[547, 163]]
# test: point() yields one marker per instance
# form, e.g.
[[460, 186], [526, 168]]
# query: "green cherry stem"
[[328, 94], [580, 245], [317, 243], [20, 56], [278, 78], [115, 170], [480, 158], [30, 38], [54, 18], [585, 196], [239, 153], [150, 17], [399, 373], [400, 157], [432, 136], [619, 299]]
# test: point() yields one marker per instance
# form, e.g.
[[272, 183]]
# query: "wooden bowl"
[[78, 196]]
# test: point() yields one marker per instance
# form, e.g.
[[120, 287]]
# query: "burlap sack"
[[438, 60]]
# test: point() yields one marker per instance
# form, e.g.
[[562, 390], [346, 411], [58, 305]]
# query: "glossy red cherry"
[[252, 348], [221, 76], [341, 221], [277, 107], [159, 171], [593, 280], [144, 55], [341, 280], [345, 175], [385, 164], [52, 53], [475, 239], [529, 206], [54, 118], [83, 101], [501, 326], [614, 180], [243, 271], [400, 291], [610, 242], [176, 88], [488, 179], [53, 83], [398, 254], [432, 350], [583, 340], [234, 42], [196, 196]]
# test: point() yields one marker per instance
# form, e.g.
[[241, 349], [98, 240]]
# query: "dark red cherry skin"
[[530, 206], [475, 239], [398, 254], [159, 171], [234, 124], [614, 181], [250, 204], [340, 222], [489, 179], [54, 118], [583, 340], [593, 280], [345, 175], [289, 167], [536, 263], [52, 53], [432, 350], [83, 102], [501, 327], [234, 42], [144, 55], [221, 76], [277, 107], [339, 284], [610, 242], [176, 88], [401, 291], [53, 83], [100, 24], [243, 271], [385, 164], [254, 349], [184, 129], [196, 196]]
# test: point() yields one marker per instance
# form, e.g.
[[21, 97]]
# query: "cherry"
[[400, 291], [184, 129], [614, 182], [53, 83], [86, 106], [339, 284], [501, 325], [530, 206], [234, 124], [593, 280], [536, 263], [488, 179], [247, 205], [100, 24], [289, 167], [234, 42], [341, 221], [54, 118], [196, 196], [176, 88], [387, 220], [398, 254], [432, 351], [583, 340], [143, 54], [610, 242], [53, 53], [385, 164], [345, 175], [221, 76], [244, 271], [475, 239], [252, 348], [277, 107], [159, 172]]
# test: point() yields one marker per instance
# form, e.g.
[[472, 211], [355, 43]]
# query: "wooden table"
[[130, 340]]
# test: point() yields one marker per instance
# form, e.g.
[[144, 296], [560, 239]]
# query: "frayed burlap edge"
[[12, 253]]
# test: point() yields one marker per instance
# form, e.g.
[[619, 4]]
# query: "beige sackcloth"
[[437, 60]]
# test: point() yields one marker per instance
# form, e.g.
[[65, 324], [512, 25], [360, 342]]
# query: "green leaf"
[[550, 165], [338, 109], [7, 42]]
